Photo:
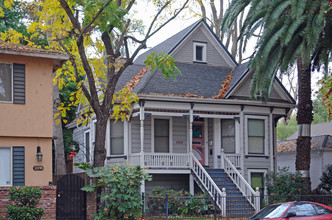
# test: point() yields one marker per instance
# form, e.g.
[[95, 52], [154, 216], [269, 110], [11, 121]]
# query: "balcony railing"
[[162, 160]]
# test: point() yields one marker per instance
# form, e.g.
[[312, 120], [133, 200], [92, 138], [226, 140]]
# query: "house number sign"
[[38, 168]]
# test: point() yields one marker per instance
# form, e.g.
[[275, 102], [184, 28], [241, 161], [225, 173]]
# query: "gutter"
[[212, 101]]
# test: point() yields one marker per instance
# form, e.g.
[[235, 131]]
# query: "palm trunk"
[[304, 118]]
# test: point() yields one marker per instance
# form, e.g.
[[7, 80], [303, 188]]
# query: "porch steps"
[[236, 204]]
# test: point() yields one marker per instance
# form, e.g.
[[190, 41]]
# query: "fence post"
[[215, 206], [143, 206], [166, 206], [223, 203], [257, 200]]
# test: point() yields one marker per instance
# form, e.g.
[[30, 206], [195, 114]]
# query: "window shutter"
[[18, 166], [19, 83]]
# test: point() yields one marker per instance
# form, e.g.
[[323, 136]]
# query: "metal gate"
[[71, 200]]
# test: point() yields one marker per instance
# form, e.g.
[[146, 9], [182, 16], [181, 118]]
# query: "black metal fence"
[[198, 207], [237, 207]]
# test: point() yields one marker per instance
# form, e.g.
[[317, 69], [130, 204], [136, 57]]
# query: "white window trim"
[[85, 145], [125, 130], [204, 51], [266, 137], [257, 171], [12, 86], [170, 133], [11, 166]]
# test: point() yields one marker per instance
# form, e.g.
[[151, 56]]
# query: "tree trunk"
[[99, 155], [304, 118], [59, 157]]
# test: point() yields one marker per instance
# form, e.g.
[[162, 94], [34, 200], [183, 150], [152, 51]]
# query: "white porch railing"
[[240, 182], [159, 160], [209, 185], [235, 159]]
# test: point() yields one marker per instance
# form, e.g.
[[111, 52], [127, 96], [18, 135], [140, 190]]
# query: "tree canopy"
[[290, 32], [101, 38], [287, 29]]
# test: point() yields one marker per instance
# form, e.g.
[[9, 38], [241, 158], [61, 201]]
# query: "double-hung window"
[[6, 82], [161, 136], [117, 138], [256, 136]]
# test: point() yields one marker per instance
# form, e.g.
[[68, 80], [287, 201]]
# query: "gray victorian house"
[[190, 131]]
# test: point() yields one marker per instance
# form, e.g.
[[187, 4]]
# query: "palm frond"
[[231, 14], [294, 28], [291, 51], [279, 9], [298, 8]]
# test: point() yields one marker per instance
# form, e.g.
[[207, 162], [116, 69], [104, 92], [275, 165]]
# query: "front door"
[[198, 142]]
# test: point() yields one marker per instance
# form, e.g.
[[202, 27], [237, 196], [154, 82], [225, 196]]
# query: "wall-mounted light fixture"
[[39, 155]]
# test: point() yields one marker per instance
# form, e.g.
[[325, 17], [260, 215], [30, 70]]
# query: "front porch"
[[175, 161], [211, 181]]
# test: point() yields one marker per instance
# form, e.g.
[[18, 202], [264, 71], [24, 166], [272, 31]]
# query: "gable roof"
[[241, 75], [197, 80], [168, 45]]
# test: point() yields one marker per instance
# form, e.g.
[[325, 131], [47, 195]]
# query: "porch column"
[[142, 116], [272, 159], [242, 146], [216, 142], [191, 119]]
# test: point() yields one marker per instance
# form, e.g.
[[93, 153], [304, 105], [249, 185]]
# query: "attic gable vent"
[[199, 52]]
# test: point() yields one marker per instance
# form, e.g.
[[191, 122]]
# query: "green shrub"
[[283, 182], [119, 184], [24, 202], [325, 186], [283, 185]]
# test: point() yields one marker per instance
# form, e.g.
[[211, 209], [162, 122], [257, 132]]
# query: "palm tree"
[[290, 32]]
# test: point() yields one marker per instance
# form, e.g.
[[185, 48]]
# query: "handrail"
[[208, 183], [239, 181]]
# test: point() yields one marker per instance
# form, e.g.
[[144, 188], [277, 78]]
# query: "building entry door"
[[198, 141]]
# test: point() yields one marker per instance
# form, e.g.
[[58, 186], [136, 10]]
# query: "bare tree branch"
[[200, 2], [169, 20]]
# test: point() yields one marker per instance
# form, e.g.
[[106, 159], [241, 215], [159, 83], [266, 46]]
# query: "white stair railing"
[[209, 185], [245, 188]]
